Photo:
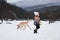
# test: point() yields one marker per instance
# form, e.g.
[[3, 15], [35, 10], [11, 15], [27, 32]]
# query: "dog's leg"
[[29, 27], [21, 26], [18, 26], [24, 27]]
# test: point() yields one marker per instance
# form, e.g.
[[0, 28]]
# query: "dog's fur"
[[23, 24]]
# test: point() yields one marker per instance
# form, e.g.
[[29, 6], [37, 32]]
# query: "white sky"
[[13, 0], [34, 0]]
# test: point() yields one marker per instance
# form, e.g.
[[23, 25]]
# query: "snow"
[[46, 32]]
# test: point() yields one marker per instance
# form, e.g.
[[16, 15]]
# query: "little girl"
[[36, 21]]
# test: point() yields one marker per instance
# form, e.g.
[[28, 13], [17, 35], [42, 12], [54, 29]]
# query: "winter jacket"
[[36, 20]]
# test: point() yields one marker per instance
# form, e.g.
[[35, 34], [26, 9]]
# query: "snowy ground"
[[46, 32]]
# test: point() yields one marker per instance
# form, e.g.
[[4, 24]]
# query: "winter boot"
[[35, 31]]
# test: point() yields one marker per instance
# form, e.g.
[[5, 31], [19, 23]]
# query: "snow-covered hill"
[[46, 32], [30, 3]]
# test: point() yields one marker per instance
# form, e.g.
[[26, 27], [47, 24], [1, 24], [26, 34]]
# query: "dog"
[[23, 24]]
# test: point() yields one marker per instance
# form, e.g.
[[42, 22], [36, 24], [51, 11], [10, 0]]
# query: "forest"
[[8, 11]]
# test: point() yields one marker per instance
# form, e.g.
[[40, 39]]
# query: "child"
[[36, 21]]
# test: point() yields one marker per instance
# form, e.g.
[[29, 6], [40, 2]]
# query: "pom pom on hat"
[[36, 13]]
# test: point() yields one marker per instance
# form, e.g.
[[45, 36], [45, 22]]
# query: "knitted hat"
[[36, 13]]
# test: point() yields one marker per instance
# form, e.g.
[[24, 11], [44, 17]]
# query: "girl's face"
[[36, 16]]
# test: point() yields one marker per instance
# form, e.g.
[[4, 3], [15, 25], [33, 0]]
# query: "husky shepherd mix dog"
[[23, 24]]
